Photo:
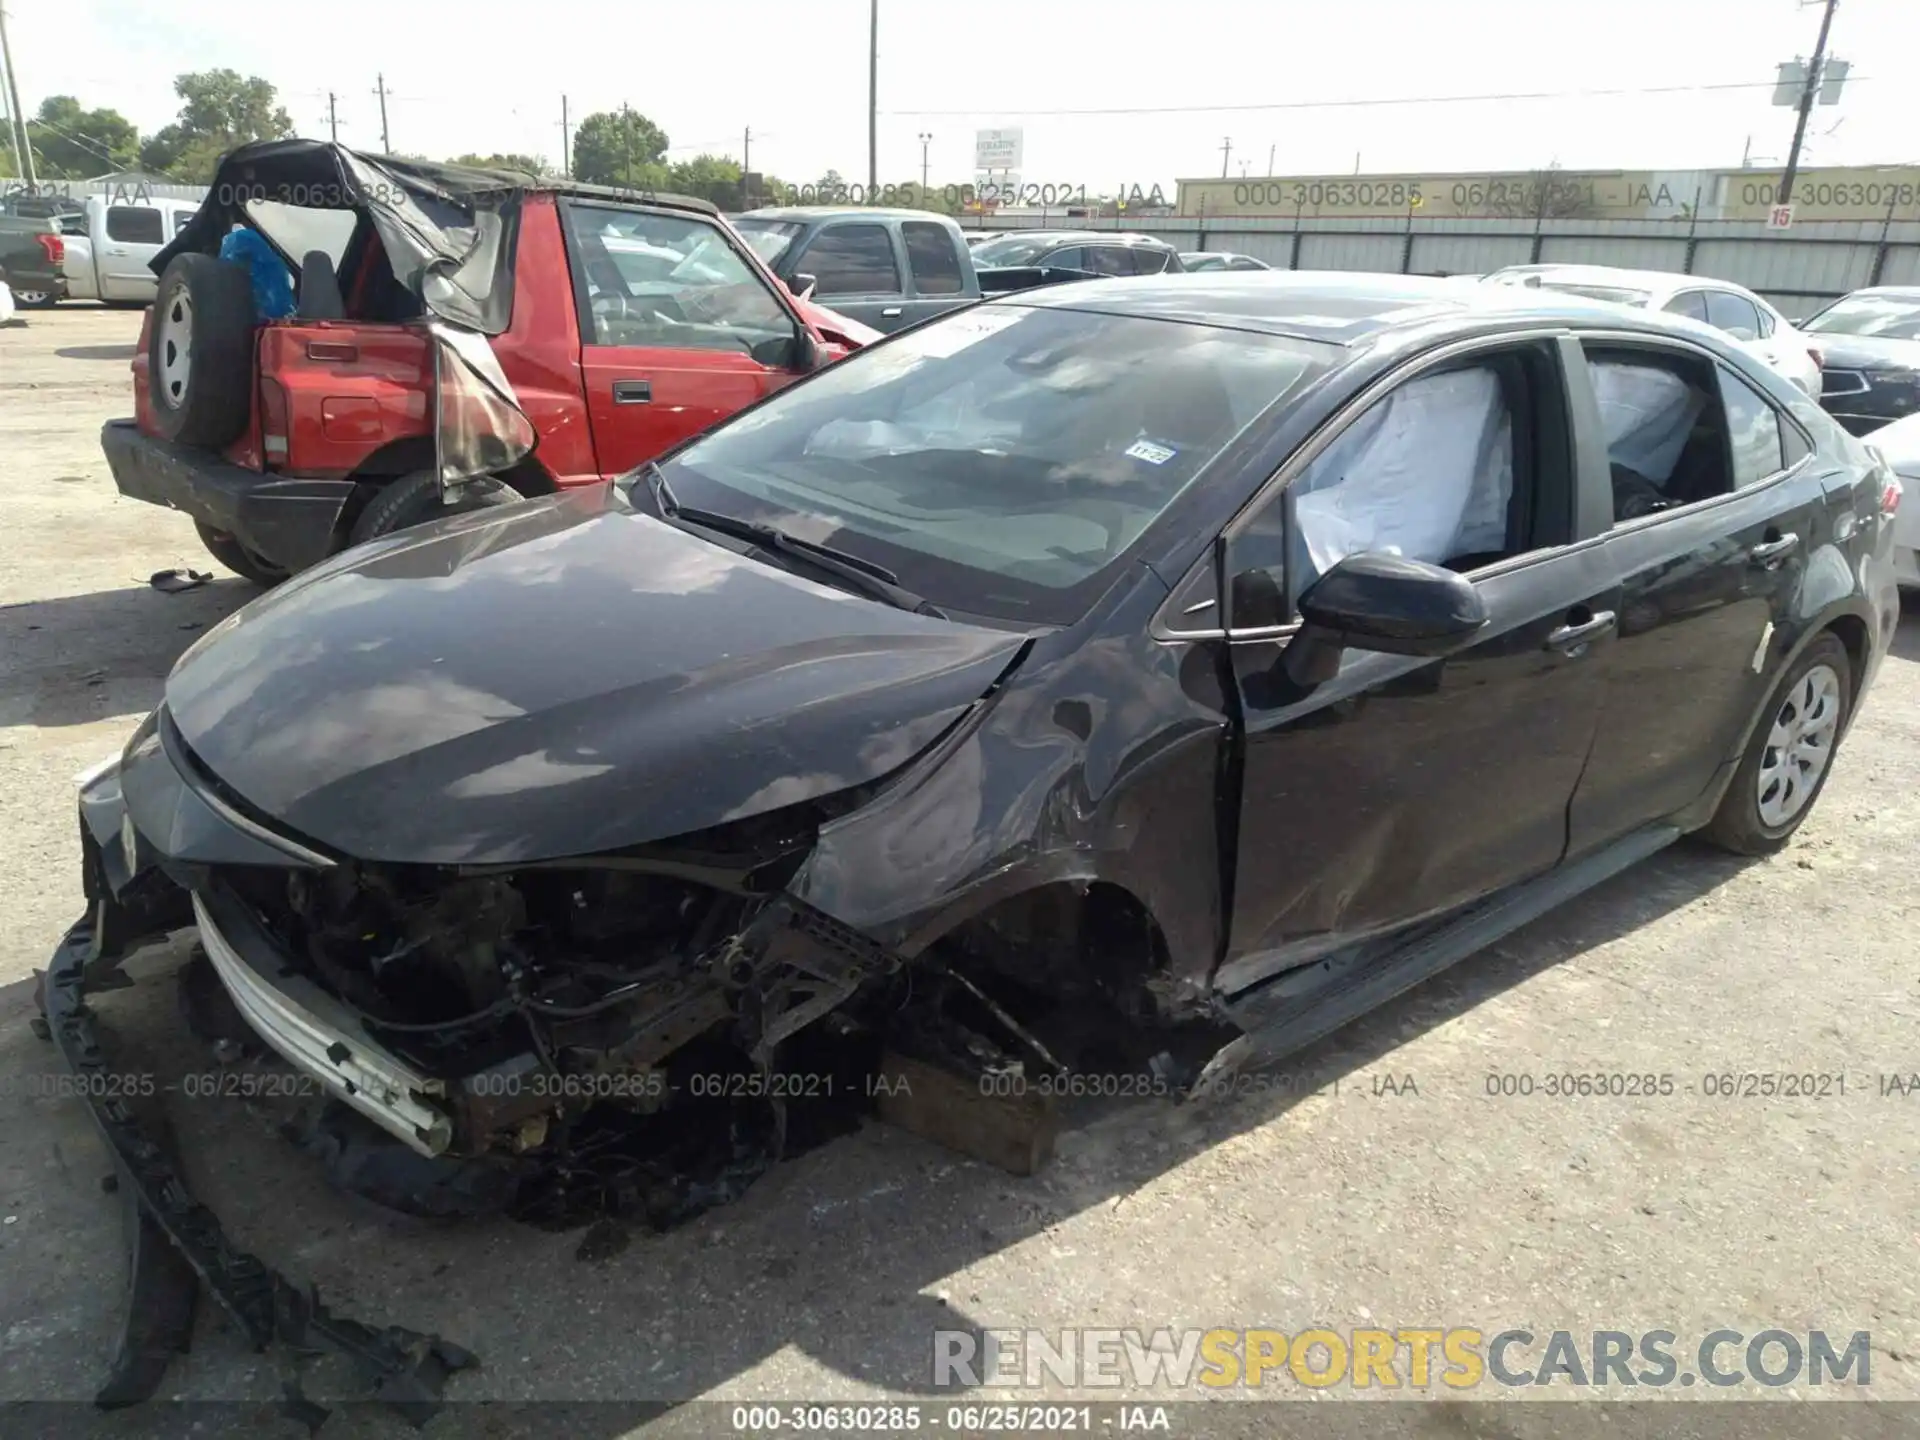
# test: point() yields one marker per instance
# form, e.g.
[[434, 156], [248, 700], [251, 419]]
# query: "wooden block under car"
[[1015, 1133]]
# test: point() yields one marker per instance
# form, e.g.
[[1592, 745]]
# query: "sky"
[[492, 79]]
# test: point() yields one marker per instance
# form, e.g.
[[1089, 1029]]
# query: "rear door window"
[[936, 269], [1149, 261], [1110, 260], [135, 225], [1734, 314], [1071, 258], [1753, 429], [855, 259]]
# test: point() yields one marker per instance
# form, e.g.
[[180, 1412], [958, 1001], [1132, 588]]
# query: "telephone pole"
[[1226, 152], [333, 120], [925, 140], [746, 150], [566, 158], [626, 145], [380, 89], [22, 146], [1807, 94], [873, 96]]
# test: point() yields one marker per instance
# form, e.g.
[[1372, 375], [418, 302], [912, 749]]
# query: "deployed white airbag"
[[1427, 473], [1647, 414]]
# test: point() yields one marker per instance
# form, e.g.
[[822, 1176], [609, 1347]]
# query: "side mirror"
[[1382, 603], [806, 352], [802, 285]]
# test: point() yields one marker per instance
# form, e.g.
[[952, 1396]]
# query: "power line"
[[1376, 101]]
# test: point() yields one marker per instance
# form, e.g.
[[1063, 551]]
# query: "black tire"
[[1737, 825], [204, 399], [228, 550], [415, 499]]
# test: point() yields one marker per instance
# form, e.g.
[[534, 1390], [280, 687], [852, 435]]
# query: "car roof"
[[838, 212], [1889, 292], [1083, 237], [1657, 281], [1340, 307]]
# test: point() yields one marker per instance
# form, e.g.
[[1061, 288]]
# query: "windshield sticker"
[[1152, 453], [950, 336]]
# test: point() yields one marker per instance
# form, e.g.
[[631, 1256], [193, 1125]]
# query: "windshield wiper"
[[870, 579]]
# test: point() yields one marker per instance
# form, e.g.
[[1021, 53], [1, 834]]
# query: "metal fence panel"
[[1632, 252], [1322, 251], [1469, 254], [1786, 265], [1902, 267]]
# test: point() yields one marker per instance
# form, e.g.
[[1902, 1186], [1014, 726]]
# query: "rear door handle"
[[1571, 639], [632, 392], [1770, 553], [892, 312]]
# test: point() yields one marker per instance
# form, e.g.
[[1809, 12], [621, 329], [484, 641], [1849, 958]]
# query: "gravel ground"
[[1409, 1197]]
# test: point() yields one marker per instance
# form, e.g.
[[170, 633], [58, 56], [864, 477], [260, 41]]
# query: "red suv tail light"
[[1890, 497], [55, 247], [274, 420]]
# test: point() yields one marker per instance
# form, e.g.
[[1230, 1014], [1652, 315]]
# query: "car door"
[[677, 330], [130, 236], [1718, 508], [857, 271], [1403, 787], [933, 266]]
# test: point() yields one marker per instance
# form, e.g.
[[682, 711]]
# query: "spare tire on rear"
[[200, 351]]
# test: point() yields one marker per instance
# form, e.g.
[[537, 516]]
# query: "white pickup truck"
[[109, 245]]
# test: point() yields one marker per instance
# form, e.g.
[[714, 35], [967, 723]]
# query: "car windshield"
[[1012, 250], [1004, 459], [769, 237], [1888, 317]]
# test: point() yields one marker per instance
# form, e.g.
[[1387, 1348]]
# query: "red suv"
[[454, 338]]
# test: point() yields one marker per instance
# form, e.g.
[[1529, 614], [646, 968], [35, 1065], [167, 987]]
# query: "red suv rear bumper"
[[292, 523]]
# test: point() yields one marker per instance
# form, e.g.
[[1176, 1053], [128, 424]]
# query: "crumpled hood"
[[559, 678]]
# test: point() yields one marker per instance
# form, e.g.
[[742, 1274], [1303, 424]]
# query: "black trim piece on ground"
[[407, 1369]]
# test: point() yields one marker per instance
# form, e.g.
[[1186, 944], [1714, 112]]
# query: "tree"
[[620, 147], [1546, 195], [72, 143], [534, 165], [220, 109], [708, 177]]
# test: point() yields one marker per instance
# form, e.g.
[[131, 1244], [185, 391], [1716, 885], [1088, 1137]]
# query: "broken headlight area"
[[622, 1033]]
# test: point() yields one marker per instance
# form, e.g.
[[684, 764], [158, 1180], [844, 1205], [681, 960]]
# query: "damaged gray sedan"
[[1127, 680]]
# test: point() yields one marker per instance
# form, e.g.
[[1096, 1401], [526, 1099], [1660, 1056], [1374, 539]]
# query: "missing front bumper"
[[315, 1034]]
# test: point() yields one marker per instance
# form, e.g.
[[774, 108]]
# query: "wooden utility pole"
[[1226, 153], [566, 141], [1807, 94], [380, 89], [333, 120], [746, 150], [22, 143], [873, 96]]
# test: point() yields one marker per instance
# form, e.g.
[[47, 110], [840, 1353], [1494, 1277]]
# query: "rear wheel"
[[415, 499], [227, 549], [1790, 755]]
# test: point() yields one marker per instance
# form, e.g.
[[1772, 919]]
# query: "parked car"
[[31, 255], [1098, 252], [886, 268], [462, 338], [1727, 307], [1066, 679], [1871, 341], [1898, 443], [110, 247], [1198, 260]]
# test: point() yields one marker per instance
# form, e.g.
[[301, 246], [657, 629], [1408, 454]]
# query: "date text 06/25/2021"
[[988, 193]]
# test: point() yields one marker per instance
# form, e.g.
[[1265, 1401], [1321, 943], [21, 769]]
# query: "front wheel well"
[[1066, 938], [399, 458]]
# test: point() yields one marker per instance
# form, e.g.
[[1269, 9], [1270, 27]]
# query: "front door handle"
[[632, 392], [892, 312], [1769, 553], [1571, 639]]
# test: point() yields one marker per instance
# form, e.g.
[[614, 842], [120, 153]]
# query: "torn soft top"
[[448, 229]]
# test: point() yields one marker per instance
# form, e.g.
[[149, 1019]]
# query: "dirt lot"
[[1421, 1202]]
